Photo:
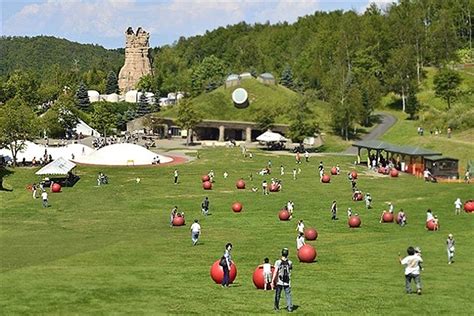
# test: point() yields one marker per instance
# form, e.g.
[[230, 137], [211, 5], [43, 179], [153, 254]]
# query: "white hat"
[[450, 235]]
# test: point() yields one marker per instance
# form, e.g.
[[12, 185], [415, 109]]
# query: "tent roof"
[[438, 158], [404, 150], [59, 166], [270, 136]]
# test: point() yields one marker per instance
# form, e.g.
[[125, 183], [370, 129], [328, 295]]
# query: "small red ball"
[[359, 197], [354, 221], [326, 179], [240, 184], [217, 272], [333, 171], [178, 221], [354, 174], [56, 188], [207, 185], [394, 173], [258, 279], [284, 215], [469, 206], [310, 234], [237, 207], [387, 217], [205, 178], [307, 253], [430, 225]]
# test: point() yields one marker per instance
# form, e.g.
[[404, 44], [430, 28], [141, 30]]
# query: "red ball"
[[387, 217], [217, 272], [240, 184], [56, 188], [307, 253], [284, 215], [354, 174], [394, 173], [258, 279], [354, 221], [326, 179], [237, 207], [178, 221], [333, 171], [310, 234], [381, 170], [207, 185], [359, 197], [205, 178], [273, 188], [430, 225], [469, 206]]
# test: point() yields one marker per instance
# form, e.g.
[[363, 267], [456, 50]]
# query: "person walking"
[[300, 226], [205, 206], [44, 197], [282, 276], [34, 188], [450, 242], [227, 263], [174, 212], [265, 187], [457, 205], [334, 210], [412, 270], [300, 241], [176, 176], [306, 156], [195, 232]]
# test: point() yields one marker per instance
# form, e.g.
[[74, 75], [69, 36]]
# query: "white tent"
[[59, 166], [85, 129], [32, 150], [270, 136]]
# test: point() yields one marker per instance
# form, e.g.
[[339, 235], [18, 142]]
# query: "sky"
[[104, 22]]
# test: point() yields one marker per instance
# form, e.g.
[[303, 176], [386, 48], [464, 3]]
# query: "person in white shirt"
[[458, 205], [390, 207], [412, 270], [44, 196], [195, 231], [349, 212], [300, 241], [429, 215], [267, 274], [225, 174], [306, 156], [450, 243], [282, 170], [300, 226], [290, 207]]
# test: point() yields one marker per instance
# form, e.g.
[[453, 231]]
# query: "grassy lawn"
[[110, 250]]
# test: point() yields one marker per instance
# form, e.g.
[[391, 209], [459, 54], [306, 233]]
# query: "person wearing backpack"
[[281, 277], [226, 263]]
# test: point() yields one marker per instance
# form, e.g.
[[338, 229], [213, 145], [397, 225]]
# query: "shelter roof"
[[438, 158], [59, 166], [404, 150]]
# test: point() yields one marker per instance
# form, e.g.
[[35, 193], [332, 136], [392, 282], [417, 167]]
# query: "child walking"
[[412, 270]]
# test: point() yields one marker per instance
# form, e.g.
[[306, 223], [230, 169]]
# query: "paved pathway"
[[387, 121]]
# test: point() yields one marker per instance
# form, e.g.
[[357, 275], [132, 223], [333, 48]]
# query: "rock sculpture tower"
[[137, 61]]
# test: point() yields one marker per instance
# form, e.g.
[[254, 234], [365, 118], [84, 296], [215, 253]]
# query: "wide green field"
[[110, 250]]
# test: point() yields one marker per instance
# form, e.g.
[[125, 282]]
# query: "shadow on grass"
[[4, 172]]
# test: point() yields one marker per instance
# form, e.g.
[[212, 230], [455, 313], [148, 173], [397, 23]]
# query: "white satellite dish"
[[240, 97]]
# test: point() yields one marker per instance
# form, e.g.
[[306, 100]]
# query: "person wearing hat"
[[450, 248], [281, 277]]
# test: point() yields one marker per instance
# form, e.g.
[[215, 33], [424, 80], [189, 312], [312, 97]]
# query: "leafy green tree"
[[103, 118], [18, 124], [208, 75], [447, 83], [82, 98], [301, 121], [61, 118], [143, 106], [146, 83], [95, 79], [413, 106], [265, 119], [24, 86], [187, 118], [111, 85], [287, 77]]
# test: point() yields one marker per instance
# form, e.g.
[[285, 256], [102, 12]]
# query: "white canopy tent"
[[59, 166], [269, 137]]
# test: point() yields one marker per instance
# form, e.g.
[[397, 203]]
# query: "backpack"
[[284, 271], [223, 262]]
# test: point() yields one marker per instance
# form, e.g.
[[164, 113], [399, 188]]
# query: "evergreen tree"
[[287, 77], [143, 106], [82, 98], [412, 106], [112, 83]]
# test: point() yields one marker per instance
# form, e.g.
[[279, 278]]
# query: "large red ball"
[[205, 178], [237, 207], [217, 272], [333, 171], [387, 217], [354, 174], [284, 215], [240, 184], [258, 279], [325, 179], [381, 170], [310, 234], [430, 225], [354, 221], [307, 253], [56, 188], [359, 197], [469, 206], [178, 221], [207, 185], [394, 173], [273, 188]]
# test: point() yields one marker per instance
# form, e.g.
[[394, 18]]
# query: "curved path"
[[387, 121]]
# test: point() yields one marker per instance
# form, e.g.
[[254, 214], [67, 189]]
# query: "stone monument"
[[137, 61]]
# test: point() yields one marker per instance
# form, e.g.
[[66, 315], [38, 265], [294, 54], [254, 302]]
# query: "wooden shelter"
[[442, 167]]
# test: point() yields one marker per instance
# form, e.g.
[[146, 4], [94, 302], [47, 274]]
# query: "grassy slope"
[[109, 249]]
